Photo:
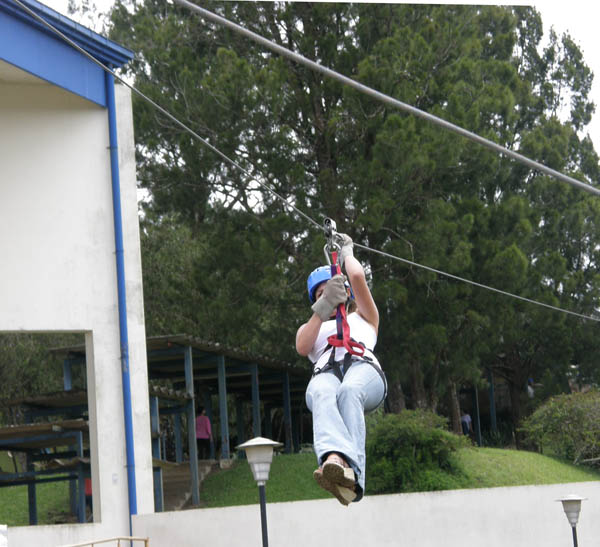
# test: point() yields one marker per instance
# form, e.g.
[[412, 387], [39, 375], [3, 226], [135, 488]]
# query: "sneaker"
[[344, 495], [337, 471]]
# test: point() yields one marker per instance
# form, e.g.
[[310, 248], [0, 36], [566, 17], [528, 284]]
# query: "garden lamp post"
[[259, 453], [572, 507]]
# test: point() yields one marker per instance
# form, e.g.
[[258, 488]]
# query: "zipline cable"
[[162, 110], [480, 285], [281, 198], [386, 98]]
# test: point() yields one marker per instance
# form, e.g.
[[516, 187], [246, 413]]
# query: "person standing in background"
[[466, 423], [203, 434]]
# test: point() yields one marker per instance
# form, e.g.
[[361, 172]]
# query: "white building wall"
[[493, 517], [58, 273]]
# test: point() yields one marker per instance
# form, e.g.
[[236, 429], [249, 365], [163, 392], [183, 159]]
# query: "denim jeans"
[[338, 410]]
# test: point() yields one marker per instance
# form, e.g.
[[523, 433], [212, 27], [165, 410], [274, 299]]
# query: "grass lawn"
[[290, 479], [52, 504], [488, 467], [52, 500], [291, 475], [6, 463]]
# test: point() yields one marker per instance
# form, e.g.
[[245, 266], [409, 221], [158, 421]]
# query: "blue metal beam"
[[155, 427], [296, 416], [6, 483], [223, 409], [240, 423], [191, 425], [493, 421], [255, 401], [80, 481], [166, 410], [268, 422], [287, 413], [67, 375], [178, 442], [207, 399], [14, 443], [31, 495], [159, 500]]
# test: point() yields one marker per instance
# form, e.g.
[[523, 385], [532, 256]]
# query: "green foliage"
[[411, 452], [27, 368], [568, 426], [392, 181]]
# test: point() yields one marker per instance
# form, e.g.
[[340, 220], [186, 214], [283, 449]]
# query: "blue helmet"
[[318, 276]]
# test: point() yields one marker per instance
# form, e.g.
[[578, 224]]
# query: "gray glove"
[[333, 295], [345, 242]]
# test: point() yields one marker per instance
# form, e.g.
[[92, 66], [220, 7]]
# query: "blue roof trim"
[[103, 49], [31, 46]]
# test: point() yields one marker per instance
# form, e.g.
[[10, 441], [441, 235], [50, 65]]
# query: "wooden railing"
[[115, 539]]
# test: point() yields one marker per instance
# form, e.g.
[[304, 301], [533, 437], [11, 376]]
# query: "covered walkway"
[[184, 373]]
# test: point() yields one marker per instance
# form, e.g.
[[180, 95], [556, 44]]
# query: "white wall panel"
[[58, 273]]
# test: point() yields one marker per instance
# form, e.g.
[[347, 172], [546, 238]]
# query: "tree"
[[27, 368], [393, 182]]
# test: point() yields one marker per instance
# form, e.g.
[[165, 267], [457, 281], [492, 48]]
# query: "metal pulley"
[[331, 235]]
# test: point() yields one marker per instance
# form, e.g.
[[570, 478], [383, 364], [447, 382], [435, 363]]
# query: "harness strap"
[[340, 368], [342, 338]]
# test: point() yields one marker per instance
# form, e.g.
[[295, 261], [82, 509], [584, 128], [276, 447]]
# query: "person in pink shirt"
[[203, 434]]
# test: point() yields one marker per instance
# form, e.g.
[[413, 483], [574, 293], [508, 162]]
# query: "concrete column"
[[107, 432]]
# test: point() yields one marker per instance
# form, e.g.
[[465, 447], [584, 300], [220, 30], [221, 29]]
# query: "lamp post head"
[[259, 453], [572, 507]]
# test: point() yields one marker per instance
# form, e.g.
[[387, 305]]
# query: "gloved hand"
[[333, 295], [347, 246]]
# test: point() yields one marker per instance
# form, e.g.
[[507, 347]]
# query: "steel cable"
[[281, 198]]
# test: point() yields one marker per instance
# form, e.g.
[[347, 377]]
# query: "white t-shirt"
[[360, 330]]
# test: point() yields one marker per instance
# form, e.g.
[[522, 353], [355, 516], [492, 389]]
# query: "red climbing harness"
[[342, 338]]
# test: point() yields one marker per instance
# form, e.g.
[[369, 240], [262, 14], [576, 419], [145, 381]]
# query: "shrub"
[[411, 452], [568, 425]]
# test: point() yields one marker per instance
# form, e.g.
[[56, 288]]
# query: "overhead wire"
[[269, 189], [480, 285], [382, 97], [162, 110]]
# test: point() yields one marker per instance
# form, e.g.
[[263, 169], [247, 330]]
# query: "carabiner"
[[331, 235]]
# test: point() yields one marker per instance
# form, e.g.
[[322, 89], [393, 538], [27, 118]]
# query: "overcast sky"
[[578, 17]]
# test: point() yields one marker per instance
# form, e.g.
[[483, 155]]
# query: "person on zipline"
[[343, 386]]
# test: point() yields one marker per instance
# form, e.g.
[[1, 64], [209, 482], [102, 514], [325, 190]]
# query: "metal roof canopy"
[[166, 361], [215, 369]]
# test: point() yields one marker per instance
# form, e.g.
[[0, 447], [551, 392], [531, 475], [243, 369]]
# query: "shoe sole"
[[336, 474], [344, 495]]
